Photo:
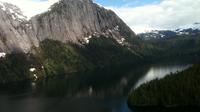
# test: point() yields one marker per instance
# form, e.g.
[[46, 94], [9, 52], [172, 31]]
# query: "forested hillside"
[[180, 89]]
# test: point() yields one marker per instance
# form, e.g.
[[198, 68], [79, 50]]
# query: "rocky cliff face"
[[73, 20], [15, 33], [67, 21]]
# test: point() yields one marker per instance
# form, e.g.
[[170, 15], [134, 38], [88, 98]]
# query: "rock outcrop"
[[71, 20], [67, 21], [15, 33]]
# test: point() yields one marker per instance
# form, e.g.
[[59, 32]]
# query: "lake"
[[100, 91]]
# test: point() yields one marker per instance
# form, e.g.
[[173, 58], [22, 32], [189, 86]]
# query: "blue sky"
[[122, 3], [147, 15]]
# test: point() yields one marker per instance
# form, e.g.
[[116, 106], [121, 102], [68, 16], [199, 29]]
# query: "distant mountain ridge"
[[191, 30]]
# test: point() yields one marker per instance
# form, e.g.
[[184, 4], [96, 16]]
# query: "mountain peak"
[[13, 11], [78, 0], [74, 21]]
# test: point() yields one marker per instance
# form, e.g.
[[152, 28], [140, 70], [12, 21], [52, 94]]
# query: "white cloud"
[[168, 14], [32, 7]]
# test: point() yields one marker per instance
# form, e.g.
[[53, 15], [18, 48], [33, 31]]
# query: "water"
[[158, 72], [102, 91]]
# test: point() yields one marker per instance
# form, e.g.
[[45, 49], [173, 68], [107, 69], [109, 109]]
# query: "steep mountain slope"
[[73, 36], [73, 21], [15, 34]]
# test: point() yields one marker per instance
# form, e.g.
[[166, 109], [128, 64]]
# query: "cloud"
[[32, 7], [168, 14]]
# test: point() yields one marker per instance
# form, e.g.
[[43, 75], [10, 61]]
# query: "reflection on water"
[[158, 72], [35, 104], [101, 91]]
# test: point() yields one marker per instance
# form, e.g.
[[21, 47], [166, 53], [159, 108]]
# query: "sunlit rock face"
[[66, 21], [72, 20], [15, 32]]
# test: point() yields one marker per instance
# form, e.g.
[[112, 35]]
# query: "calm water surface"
[[102, 91], [158, 72]]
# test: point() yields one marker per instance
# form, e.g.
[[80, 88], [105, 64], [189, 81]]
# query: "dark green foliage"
[[107, 52], [59, 58], [14, 67], [180, 89], [177, 48], [62, 58]]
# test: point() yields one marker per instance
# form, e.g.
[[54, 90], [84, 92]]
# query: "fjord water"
[[100, 91]]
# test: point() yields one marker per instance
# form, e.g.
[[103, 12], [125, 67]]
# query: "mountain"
[[15, 34], [75, 36], [72, 36], [156, 34], [74, 21], [190, 30]]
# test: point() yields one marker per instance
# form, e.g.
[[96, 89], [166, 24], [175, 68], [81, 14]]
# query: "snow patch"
[[35, 76], [2, 55], [12, 10], [109, 30], [116, 28], [121, 41], [162, 35], [100, 6], [156, 31], [2, 6], [87, 39], [183, 33], [32, 69], [96, 34]]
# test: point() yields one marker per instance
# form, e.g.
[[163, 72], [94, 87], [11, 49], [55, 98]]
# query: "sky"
[[139, 15], [125, 3]]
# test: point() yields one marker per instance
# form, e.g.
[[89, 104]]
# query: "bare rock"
[[66, 21]]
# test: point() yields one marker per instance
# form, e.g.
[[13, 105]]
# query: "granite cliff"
[[73, 21], [15, 33]]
